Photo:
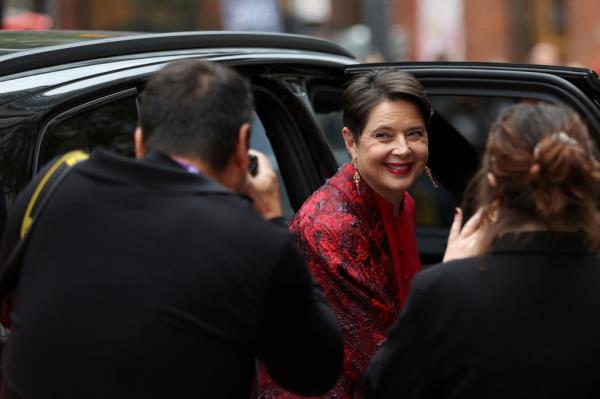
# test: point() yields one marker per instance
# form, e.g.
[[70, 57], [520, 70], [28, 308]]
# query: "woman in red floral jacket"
[[358, 231]]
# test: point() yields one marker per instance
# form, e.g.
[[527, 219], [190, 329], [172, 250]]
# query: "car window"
[[111, 126], [327, 107], [472, 116], [331, 125], [259, 141]]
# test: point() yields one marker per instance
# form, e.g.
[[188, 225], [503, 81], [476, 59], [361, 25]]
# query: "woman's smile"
[[401, 169]]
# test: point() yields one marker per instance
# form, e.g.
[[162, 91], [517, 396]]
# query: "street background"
[[563, 32]]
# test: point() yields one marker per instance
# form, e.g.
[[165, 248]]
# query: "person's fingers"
[[264, 188], [456, 225], [472, 224], [252, 151]]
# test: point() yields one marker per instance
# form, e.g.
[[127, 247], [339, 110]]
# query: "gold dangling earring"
[[428, 173], [493, 211], [356, 175], [493, 216]]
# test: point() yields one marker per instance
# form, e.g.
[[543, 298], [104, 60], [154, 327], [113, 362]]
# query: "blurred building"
[[472, 30], [502, 30]]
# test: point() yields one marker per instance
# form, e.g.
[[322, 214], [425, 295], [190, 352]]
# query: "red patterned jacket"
[[344, 238]]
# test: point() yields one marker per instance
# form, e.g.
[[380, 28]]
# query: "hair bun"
[[561, 174], [558, 156], [542, 158]]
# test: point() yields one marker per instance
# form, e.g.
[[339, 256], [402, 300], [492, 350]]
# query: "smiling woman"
[[358, 231]]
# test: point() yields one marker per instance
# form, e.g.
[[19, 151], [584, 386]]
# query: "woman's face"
[[392, 149]]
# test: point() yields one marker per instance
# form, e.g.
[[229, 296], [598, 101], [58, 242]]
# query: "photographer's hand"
[[264, 188]]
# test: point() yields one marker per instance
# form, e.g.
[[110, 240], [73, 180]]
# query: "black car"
[[65, 90]]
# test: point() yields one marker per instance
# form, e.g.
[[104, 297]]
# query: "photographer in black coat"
[[154, 278]]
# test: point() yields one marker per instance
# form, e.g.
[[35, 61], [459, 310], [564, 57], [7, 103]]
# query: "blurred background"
[[563, 32]]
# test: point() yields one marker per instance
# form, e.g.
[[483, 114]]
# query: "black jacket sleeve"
[[298, 339]]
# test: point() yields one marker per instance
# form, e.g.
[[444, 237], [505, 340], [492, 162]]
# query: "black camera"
[[252, 165]]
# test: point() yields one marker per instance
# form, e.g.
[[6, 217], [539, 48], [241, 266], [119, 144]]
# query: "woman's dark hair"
[[366, 90], [193, 107], [542, 160]]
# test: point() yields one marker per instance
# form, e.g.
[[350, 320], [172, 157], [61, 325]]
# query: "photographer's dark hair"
[[368, 89], [195, 108], [542, 159]]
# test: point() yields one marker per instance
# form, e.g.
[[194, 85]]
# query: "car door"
[[466, 98], [100, 111], [82, 95]]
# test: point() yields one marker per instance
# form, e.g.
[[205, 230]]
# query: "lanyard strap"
[[187, 166]]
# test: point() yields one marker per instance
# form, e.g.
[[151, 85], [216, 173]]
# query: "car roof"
[[34, 50]]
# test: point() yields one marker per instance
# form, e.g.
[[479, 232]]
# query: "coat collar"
[[155, 170], [542, 242]]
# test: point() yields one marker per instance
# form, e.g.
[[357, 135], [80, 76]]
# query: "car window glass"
[[472, 116], [327, 107], [259, 141], [331, 125], [111, 126]]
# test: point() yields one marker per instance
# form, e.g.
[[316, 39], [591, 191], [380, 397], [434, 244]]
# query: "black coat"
[[142, 280], [522, 322]]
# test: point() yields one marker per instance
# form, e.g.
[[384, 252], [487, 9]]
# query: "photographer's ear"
[[138, 140], [240, 155]]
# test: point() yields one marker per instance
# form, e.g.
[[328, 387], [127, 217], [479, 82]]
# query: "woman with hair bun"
[[520, 317]]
